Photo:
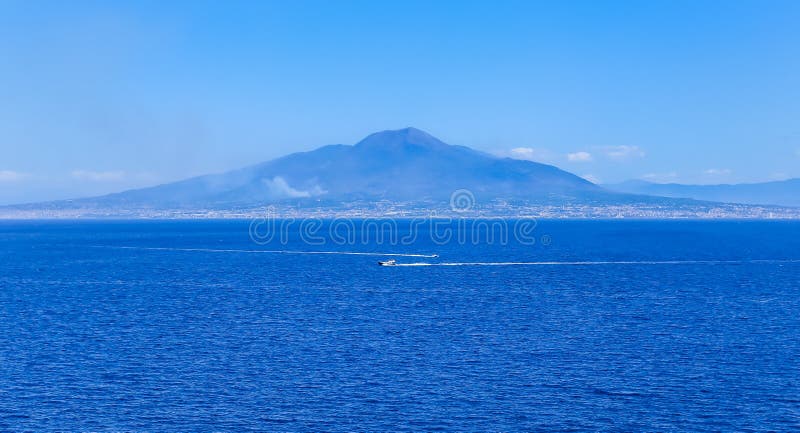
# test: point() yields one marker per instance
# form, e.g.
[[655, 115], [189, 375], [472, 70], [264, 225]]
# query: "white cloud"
[[780, 176], [530, 154], [11, 176], [579, 157], [591, 178], [98, 176], [523, 152], [279, 188], [661, 177], [623, 153], [718, 172]]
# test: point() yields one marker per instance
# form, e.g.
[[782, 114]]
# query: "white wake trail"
[[601, 263], [212, 250]]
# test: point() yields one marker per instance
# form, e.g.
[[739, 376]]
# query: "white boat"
[[388, 263]]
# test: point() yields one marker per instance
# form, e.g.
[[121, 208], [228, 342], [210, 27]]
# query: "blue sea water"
[[671, 326]]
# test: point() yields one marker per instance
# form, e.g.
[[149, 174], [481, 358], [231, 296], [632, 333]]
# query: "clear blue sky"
[[102, 96]]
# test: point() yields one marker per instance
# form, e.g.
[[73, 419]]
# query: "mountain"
[[400, 165], [780, 193], [402, 172]]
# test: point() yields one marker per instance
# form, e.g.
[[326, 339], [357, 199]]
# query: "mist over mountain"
[[779, 193], [398, 165]]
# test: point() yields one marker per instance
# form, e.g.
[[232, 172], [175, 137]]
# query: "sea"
[[239, 325]]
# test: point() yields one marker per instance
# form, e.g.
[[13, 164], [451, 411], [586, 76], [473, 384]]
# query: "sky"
[[102, 96]]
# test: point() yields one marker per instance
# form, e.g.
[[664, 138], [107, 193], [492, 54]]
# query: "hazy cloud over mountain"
[[98, 176], [279, 189], [579, 157], [623, 153], [11, 176]]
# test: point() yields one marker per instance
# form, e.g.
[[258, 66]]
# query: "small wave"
[[616, 393]]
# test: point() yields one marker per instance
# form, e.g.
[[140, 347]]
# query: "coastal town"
[[390, 209]]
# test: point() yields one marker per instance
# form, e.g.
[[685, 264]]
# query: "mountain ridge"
[[775, 193]]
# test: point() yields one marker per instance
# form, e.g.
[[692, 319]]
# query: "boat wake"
[[601, 263], [430, 256]]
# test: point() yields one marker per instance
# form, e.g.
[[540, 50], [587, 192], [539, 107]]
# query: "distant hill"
[[781, 193], [400, 165]]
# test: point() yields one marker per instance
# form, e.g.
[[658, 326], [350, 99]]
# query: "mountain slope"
[[781, 193], [406, 164]]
